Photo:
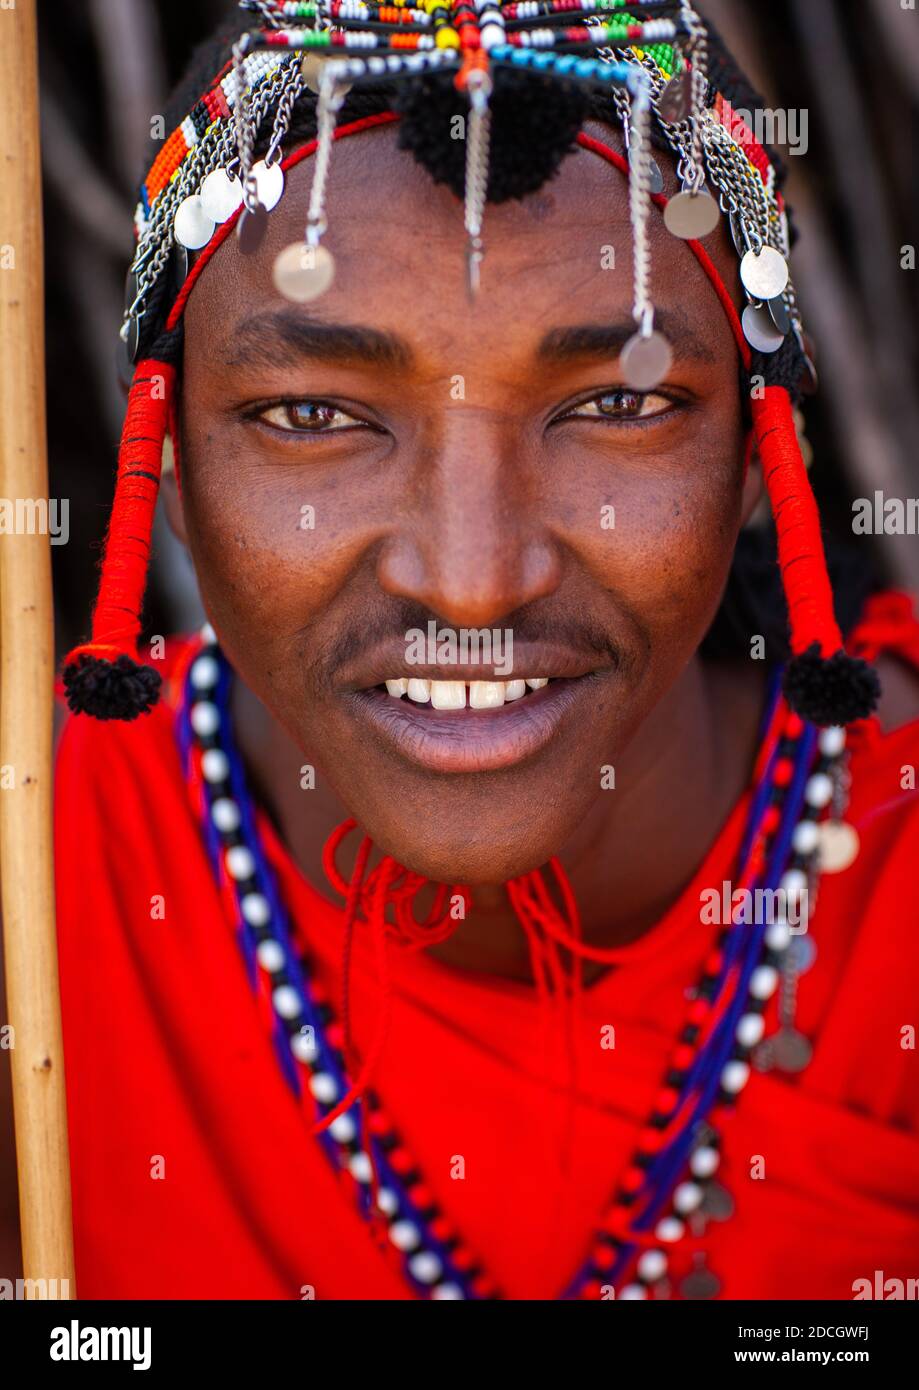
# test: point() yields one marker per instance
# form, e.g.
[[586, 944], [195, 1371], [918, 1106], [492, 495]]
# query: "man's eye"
[[621, 404], [307, 417]]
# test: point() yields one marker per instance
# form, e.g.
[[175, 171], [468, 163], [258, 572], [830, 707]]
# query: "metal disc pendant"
[[269, 180], [801, 953], [655, 178], [673, 103], [778, 311], [303, 272], [765, 275], [717, 1203], [700, 1284], [737, 236], [133, 343], [123, 364], [192, 226], [791, 1051], [645, 361], [179, 264], [127, 351], [220, 195], [251, 229], [311, 66], [837, 845], [760, 331], [811, 369], [691, 215], [130, 291]]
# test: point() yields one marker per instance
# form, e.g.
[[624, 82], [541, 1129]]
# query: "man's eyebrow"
[[271, 339], [608, 339]]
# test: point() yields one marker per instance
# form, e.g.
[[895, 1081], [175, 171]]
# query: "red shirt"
[[194, 1171]]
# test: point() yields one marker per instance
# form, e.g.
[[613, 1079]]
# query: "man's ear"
[[172, 498]]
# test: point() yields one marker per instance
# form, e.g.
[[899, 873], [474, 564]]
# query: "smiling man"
[[389, 966]]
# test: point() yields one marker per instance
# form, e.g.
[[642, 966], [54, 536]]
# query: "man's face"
[[392, 453]]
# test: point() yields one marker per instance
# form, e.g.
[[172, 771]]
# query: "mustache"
[[392, 619]]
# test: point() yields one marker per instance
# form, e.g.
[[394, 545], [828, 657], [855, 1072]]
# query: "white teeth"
[[419, 691], [486, 694], [452, 694], [448, 694]]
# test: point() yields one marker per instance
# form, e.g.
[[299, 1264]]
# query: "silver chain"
[[216, 149], [245, 132], [698, 48], [284, 114], [477, 149], [640, 205], [331, 98]]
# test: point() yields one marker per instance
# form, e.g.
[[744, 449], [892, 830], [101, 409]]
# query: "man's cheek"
[[665, 554], [271, 554]]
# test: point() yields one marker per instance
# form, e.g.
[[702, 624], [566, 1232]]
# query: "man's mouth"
[[452, 726]]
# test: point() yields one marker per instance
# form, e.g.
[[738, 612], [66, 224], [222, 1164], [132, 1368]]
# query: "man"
[[461, 559]]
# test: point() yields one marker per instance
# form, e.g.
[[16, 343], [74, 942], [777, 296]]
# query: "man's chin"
[[471, 846]]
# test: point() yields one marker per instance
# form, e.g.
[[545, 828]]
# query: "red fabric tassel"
[[116, 617], [800, 544]]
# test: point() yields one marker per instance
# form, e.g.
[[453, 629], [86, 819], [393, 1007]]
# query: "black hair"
[[536, 123]]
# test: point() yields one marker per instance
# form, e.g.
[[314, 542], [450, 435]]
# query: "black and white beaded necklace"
[[670, 1189]]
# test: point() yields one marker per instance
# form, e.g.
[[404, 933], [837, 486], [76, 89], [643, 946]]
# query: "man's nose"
[[474, 543]]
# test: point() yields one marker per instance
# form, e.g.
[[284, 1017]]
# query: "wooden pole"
[[26, 685]]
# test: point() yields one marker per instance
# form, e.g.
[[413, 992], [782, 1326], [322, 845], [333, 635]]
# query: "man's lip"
[[529, 661], [471, 740]]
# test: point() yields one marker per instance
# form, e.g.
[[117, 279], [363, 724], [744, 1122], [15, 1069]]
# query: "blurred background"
[[106, 66]]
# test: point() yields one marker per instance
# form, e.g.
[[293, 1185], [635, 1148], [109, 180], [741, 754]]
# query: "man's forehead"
[[558, 259]]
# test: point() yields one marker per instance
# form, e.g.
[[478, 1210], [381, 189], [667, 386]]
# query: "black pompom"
[[831, 690], [121, 689], [535, 123]]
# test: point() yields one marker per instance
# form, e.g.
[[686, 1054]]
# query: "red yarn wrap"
[[800, 544], [116, 616]]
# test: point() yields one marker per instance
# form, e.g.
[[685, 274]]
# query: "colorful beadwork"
[[606, 45]]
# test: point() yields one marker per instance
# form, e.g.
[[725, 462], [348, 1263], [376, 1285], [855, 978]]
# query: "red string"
[[116, 616], [403, 887], [351, 906], [797, 521]]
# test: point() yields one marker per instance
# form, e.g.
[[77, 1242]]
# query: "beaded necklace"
[[669, 1188]]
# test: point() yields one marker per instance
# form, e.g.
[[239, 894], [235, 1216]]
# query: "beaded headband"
[[644, 66]]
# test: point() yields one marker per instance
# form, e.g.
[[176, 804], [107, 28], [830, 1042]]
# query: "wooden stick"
[[26, 686]]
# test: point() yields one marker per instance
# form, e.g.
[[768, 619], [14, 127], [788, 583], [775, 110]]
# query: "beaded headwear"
[[645, 66]]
